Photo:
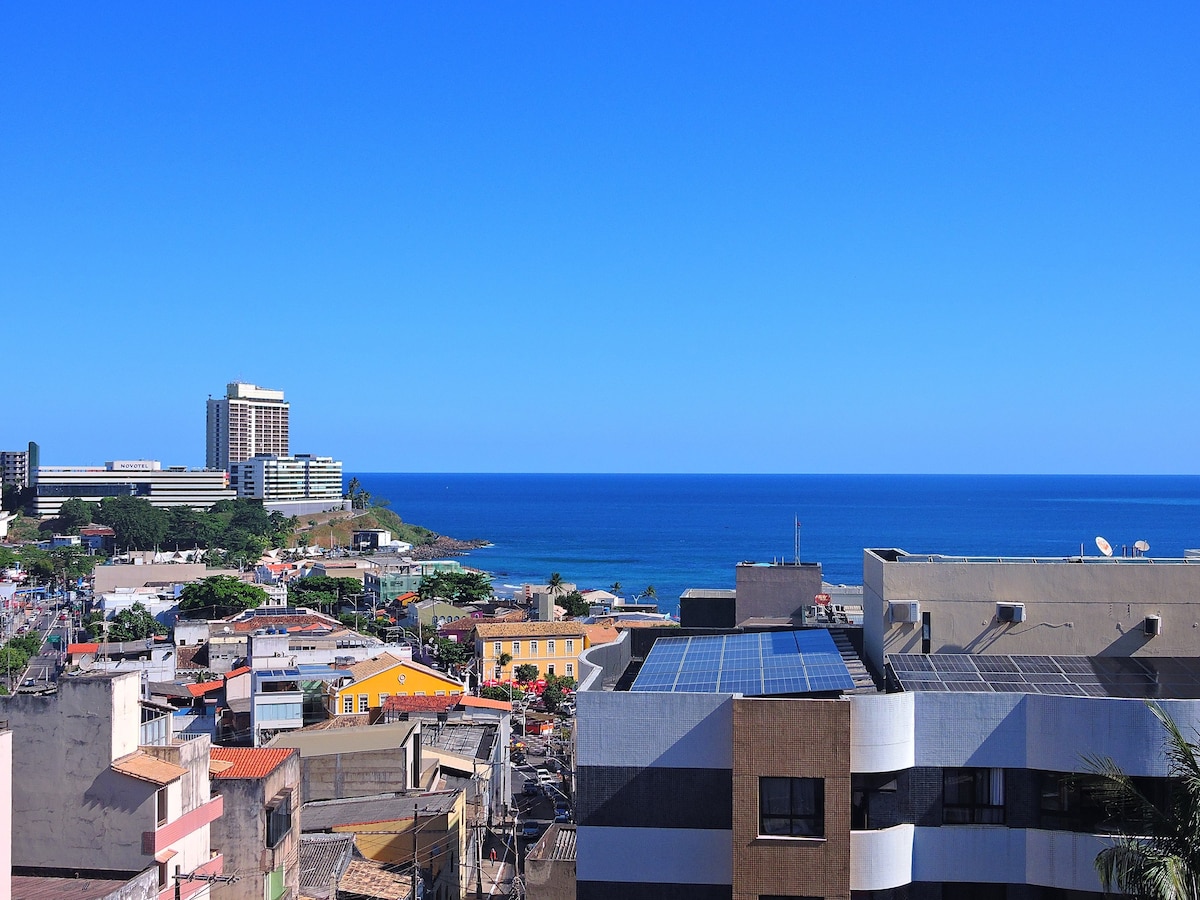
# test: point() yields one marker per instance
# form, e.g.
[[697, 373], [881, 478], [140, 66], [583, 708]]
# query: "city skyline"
[[618, 238]]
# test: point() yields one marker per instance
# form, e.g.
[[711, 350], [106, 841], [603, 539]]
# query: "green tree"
[[324, 592], [555, 584], [138, 525], [525, 673], [495, 692], [552, 697], [134, 624], [451, 653], [456, 587], [1155, 852], [69, 564], [504, 659], [13, 660], [219, 596], [73, 515], [574, 604], [615, 587], [189, 528]]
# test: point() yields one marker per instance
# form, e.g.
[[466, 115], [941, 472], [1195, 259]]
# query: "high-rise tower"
[[248, 421]]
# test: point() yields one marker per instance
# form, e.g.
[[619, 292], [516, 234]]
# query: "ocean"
[[681, 531]]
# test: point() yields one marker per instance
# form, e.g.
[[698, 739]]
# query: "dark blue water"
[[681, 531]]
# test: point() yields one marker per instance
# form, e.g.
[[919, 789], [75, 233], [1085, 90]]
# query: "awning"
[[145, 767]]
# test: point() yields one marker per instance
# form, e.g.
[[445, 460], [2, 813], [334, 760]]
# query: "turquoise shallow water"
[[681, 531]]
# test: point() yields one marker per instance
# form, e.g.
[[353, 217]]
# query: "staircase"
[[864, 682]]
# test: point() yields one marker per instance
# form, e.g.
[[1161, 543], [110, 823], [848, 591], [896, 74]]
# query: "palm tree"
[[616, 587], [1155, 852], [555, 584]]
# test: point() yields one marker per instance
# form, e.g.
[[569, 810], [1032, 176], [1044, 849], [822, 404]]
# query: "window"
[[550, 647], [549, 670], [364, 704], [160, 803], [383, 699], [570, 646], [791, 807], [439, 693], [496, 648], [973, 796], [570, 668], [516, 648], [279, 820], [533, 648], [348, 703], [1072, 802], [872, 800]]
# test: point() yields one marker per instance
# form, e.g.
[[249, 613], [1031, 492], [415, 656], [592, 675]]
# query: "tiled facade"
[[791, 739]]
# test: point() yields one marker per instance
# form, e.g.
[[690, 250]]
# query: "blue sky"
[[792, 237]]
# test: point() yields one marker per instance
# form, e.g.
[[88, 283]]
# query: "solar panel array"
[[1081, 676], [756, 665]]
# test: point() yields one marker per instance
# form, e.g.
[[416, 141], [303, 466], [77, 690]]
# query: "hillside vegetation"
[[340, 524]]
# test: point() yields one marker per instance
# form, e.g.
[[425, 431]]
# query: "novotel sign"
[[134, 465]]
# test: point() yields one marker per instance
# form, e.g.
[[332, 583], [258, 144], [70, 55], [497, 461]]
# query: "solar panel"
[[760, 664], [1082, 676]]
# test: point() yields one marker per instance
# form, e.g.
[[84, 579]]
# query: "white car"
[[544, 776]]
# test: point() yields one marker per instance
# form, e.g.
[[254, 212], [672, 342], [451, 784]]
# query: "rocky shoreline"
[[443, 547]]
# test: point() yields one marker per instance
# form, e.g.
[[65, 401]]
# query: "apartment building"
[[964, 774], [260, 831], [248, 421], [14, 466], [103, 791], [554, 647], [295, 485], [146, 478]]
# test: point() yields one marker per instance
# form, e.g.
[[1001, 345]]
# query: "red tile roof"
[[420, 704], [234, 673], [250, 762], [199, 690], [83, 648], [253, 623]]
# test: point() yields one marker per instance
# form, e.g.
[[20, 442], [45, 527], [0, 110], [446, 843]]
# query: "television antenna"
[[1140, 547], [1104, 546]]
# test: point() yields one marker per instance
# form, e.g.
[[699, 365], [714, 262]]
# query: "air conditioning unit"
[[905, 610], [1152, 626], [1010, 612]]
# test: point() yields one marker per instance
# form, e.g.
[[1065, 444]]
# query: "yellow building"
[[553, 647], [369, 683]]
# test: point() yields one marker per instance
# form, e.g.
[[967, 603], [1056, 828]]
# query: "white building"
[[146, 478], [246, 422], [293, 485]]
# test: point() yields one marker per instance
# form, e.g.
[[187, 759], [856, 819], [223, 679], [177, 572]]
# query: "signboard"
[[822, 599]]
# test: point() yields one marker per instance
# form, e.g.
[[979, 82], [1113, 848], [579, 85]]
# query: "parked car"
[[531, 830], [544, 776], [28, 682], [532, 788]]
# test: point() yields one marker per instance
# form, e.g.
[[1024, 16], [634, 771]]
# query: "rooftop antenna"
[[1104, 546], [1140, 547], [796, 520]]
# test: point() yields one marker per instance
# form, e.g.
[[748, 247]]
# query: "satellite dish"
[[1141, 546], [1105, 546]]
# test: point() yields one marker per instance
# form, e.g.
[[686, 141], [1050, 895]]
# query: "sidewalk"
[[497, 875]]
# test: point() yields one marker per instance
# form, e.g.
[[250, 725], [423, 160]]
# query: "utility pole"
[[416, 863]]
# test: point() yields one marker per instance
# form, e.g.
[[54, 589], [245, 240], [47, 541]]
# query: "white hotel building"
[[146, 478]]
